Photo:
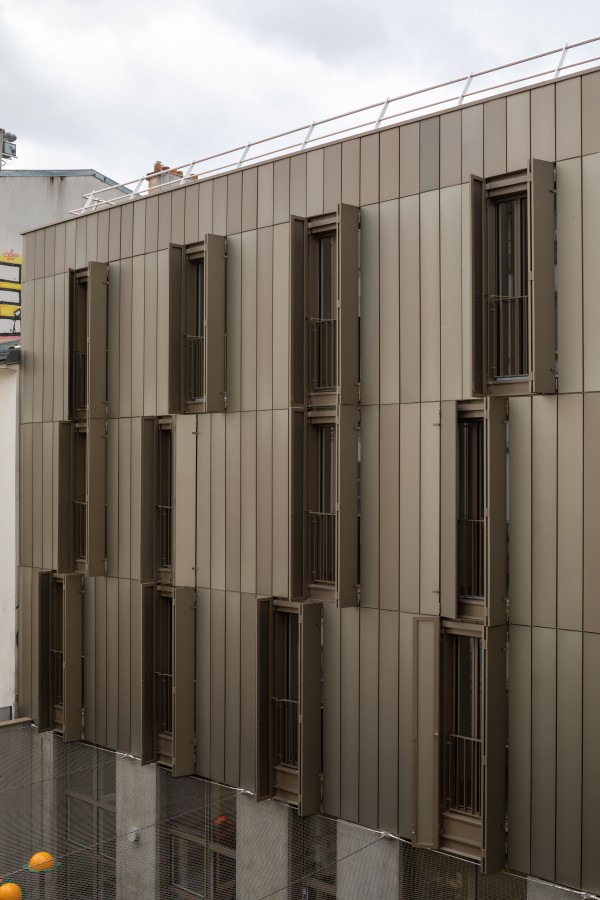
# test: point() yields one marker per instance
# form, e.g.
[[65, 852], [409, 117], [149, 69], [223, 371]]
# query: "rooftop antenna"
[[9, 146]]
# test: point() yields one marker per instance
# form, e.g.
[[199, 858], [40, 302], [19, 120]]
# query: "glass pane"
[[106, 833], [106, 778], [81, 876], [107, 882], [326, 477], [187, 865], [199, 298], [464, 686], [80, 822], [223, 876], [80, 769], [326, 277], [292, 658], [504, 249]]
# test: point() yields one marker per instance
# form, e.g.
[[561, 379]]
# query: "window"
[[313, 858], [193, 347], [322, 519], [323, 312], [471, 509], [88, 342], [56, 635], [163, 676], [164, 497], [286, 690], [463, 738], [79, 338]]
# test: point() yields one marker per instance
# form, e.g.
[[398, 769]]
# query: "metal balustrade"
[[194, 367], [286, 732], [80, 401], [80, 530], [164, 537], [56, 675], [509, 336], [164, 691], [464, 774], [321, 542], [471, 559], [323, 354]]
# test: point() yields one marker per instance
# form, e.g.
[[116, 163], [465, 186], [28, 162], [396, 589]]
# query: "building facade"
[[308, 502]]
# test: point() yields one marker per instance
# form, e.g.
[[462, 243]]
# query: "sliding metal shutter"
[[495, 519], [148, 499], [426, 731], [297, 309], [297, 501], [541, 274], [97, 300], [448, 510], [347, 512], [96, 497], [148, 704], [494, 752], [44, 586], [66, 562], [214, 336], [309, 724], [264, 763], [347, 311], [184, 641], [479, 312], [176, 301], [72, 657]]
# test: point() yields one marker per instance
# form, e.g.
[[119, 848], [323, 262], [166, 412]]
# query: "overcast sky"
[[115, 85]]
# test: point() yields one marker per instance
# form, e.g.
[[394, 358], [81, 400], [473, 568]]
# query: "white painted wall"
[[9, 378]]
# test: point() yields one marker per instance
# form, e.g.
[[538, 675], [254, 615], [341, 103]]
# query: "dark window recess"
[[194, 339], [323, 320], [464, 740], [286, 689], [79, 348], [322, 521], [509, 297], [56, 660], [164, 666], [79, 495], [471, 510], [164, 495]]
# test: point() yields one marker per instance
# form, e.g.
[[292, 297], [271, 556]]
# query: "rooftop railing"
[[528, 71]]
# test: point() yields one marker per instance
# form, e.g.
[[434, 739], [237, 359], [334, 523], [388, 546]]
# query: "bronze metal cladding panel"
[[494, 770], [451, 363], [162, 334], [137, 330], [124, 621], [248, 343], [369, 514], [37, 486], [126, 468], [59, 248], [217, 503], [184, 501], [217, 685], [37, 359], [543, 514], [347, 284], [184, 673], [297, 308], [55, 463], [96, 497], [369, 305], [569, 271], [147, 476], [72, 653], [113, 361], [369, 169], [281, 316], [569, 576], [214, 293], [232, 688], [28, 272], [248, 692], [591, 513], [152, 224], [139, 226], [475, 318], [27, 328], [264, 502], [24, 650], [347, 519], [472, 141], [387, 712], [349, 713], [590, 127], [48, 517], [450, 149], [389, 307], [495, 436], [136, 669], [60, 350], [569, 738], [100, 653], [145, 694], [368, 811], [34, 640], [542, 122], [178, 214], [281, 506], [234, 323], [332, 176], [448, 510], [541, 242], [265, 195], [89, 660], [590, 859], [81, 253], [430, 295], [112, 662], [203, 650], [519, 748], [25, 494], [298, 185], [430, 509], [48, 351], [176, 288], [281, 191], [543, 753], [150, 332], [264, 769], [310, 709], [517, 131], [405, 747], [389, 506], [70, 245], [190, 220], [114, 234], [410, 507], [409, 159], [97, 338], [351, 171], [164, 221], [264, 320], [429, 154], [591, 270], [91, 240], [44, 586], [232, 501], [331, 710], [65, 450], [494, 137], [410, 304], [389, 164], [519, 504], [125, 338], [314, 183], [426, 726], [297, 514], [249, 199], [568, 118], [203, 513]]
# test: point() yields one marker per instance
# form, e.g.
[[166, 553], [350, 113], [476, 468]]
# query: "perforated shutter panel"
[[97, 300], [214, 305], [347, 311], [264, 766], [72, 657], [148, 498], [297, 308], [297, 513], [494, 752], [176, 302], [148, 716], [495, 520], [541, 266], [184, 499], [65, 497], [448, 511], [310, 709], [44, 585], [71, 349], [478, 294], [184, 633], [347, 515], [96, 497], [426, 728]]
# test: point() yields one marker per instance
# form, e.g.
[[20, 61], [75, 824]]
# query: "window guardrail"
[[471, 559], [323, 354], [321, 542], [509, 336], [464, 774], [165, 543], [80, 401], [80, 530], [193, 348], [286, 732], [164, 691]]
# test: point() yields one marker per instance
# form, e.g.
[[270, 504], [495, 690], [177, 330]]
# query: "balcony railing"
[[321, 542], [164, 690], [80, 402], [471, 559], [509, 336], [80, 530], [286, 732], [164, 537], [323, 354], [193, 354], [56, 677], [464, 774]]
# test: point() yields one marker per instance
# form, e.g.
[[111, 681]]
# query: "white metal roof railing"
[[443, 96]]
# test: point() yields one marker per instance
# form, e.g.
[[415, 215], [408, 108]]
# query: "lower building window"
[[322, 517], [286, 688], [464, 718], [164, 676], [471, 509]]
